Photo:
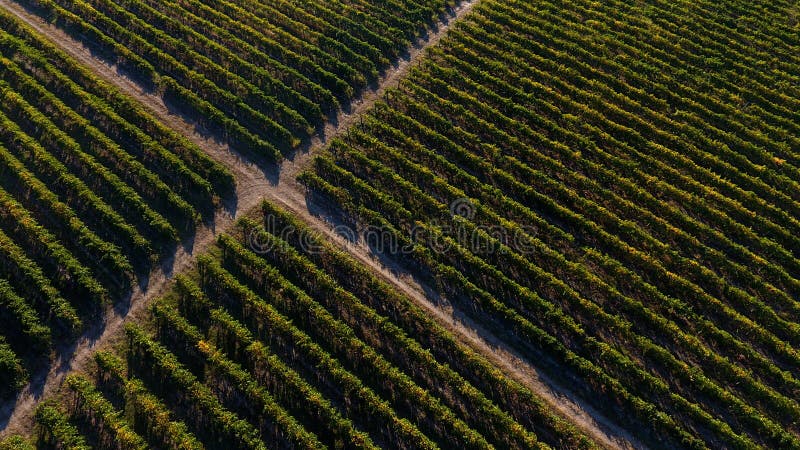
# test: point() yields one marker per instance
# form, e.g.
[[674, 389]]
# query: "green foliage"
[[12, 375], [91, 406], [16, 443], [93, 192], [264, 74], [633, 221], [54, 429]]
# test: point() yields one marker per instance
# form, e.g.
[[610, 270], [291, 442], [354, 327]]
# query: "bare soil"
[[256, 182]]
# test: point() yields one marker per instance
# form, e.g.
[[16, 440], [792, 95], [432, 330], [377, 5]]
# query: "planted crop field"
[[614, 187], [264, 75], [93, 191], [518, 224], [279, 340]]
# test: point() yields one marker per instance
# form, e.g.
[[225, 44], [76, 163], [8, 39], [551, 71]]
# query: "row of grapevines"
[[248, 74], [93, 193], [297, 346], [60, 68], [468, 264], [637, 211], [381, 305]]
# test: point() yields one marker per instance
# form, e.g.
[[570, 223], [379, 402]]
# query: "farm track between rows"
[[255, 183]]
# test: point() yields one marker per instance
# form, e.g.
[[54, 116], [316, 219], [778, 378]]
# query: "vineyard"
[[278, 340], [263, 75], [615, 188], [569, 224], [93, 192]]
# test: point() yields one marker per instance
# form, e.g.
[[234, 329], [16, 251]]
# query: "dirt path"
[[280, 187]]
